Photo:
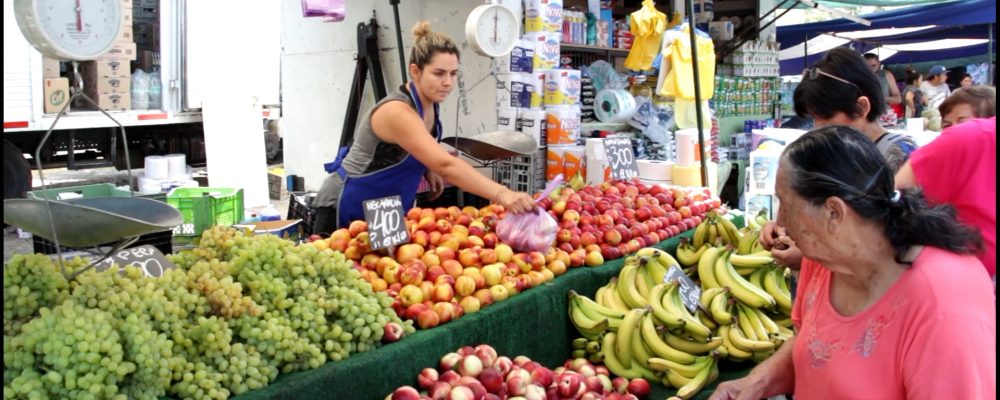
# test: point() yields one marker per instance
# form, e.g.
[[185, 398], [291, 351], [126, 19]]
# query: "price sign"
[[690, 293], [620, 158], [147, 258], [385, 222]]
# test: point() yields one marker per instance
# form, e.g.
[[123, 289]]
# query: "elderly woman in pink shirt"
[[891, 302]]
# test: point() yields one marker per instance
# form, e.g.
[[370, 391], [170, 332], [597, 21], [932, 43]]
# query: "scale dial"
[[70, 30], [492, 29]]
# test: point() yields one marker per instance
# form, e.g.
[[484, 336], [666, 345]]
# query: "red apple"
[[471, 365], [461, 393], [405, 392], [393, 332], [452, 377], [593, 384], [568, 383], [620, 384], [503, 364], [492, 380], [427, 378], [542, 376], [638, 387]]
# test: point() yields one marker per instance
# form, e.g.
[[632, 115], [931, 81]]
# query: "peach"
[[408, 252], [452, 267], [556, 267], [492, 273], [504, 253], [595, 259], [470, 304], [499, 292], [356, 227], [430, 259], [427, 378], [405, 392], [428, 319], [469, 258], [465, 286], [420, 238], [410, 295], [434, 272], [442, 293], [445, 312], [485, 297]]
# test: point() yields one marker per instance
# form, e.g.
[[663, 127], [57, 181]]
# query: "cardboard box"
[[98, 86], [106, 67], [56, 94], [147, 59], [50, 68], [114, 101], [286, 229], [120, 50], [125, 35]]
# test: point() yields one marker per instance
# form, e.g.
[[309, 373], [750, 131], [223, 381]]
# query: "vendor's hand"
[[739, 389], [516, 202], [786, 253], [436, 183]]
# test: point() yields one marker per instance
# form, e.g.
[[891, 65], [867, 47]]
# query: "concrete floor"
[[61, 177]]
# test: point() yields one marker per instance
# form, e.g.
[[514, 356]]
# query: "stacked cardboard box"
[[108, 79]]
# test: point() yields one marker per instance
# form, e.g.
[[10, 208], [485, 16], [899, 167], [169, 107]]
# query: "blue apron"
[[401, 178]]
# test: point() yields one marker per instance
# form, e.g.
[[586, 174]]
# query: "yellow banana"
[[750, 345], [751, 261], [643, 282], [720, 309], [692, 347], [773, 287], [675, 380], [698, 382], [770, 326], [626, 286], [656, 301], [784, 322], [689, 255], [614, 364], [713, 232], [700, 235], [708, 295], [623, 349], [685, 370], [596, 311], [759, 331], [640, 352], [706, 319], [731, 231], [674, 305], [741, 289], [746, 242], [660, 348], [757, 248], [757, 278], [663, 261], [734, 352], [612, 300], [786, 332], [760, 356], [706, 267]]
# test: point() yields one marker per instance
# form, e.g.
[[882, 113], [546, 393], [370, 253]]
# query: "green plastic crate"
[[204, 207], [92, 191]]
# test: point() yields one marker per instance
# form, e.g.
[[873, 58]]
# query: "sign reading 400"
[[386, 226], [620, 158]]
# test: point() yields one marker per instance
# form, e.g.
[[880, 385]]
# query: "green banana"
[[592, 346], [741, 289], [661, 349], [580, 343], [698, 382], [589, 328], [596, 358], [685, 370], [706, 267], [689, 255]]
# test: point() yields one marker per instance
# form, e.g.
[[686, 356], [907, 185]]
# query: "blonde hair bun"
[[421, 30]]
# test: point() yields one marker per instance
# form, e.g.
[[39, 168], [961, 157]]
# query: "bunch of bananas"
[[716, 230], [756, 222]]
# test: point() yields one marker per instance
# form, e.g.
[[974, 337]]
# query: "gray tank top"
[[368, 153]]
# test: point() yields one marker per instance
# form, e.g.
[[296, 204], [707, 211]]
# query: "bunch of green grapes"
[[211, 278], [67, 352], [31, 282], [272, 335]]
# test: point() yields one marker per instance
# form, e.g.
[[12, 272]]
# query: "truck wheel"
[[16, 172]]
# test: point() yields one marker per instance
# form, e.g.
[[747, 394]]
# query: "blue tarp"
[[965, 19]]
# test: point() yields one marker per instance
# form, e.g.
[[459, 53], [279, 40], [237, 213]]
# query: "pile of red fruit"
[[455, 263], [480, 374]]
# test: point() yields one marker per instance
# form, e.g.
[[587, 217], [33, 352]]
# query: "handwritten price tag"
[[386, 227], [690, 293], [620, 158], [147, 258]]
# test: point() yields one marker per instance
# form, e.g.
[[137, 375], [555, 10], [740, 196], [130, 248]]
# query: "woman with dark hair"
[[891, 303], [840, 89], [912, 96]]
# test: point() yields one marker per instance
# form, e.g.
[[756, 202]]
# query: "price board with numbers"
[[690, 292], [147, 258], [386, 225], [620, 158]]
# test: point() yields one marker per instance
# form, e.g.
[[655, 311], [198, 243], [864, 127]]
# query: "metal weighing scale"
[[76, 33]]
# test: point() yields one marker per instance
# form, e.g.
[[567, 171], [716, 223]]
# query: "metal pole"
[[805, 58], [697, 93], [399, 39]]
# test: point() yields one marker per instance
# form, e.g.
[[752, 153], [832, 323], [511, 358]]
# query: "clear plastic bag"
[[531, 231], [331, 10]]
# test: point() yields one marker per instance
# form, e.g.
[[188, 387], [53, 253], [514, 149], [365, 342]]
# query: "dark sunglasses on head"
[[814, 73]]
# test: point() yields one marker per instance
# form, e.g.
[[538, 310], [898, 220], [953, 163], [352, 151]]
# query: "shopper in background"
[[890, 304], [935, 86], [912, 96], [886, 80], [397, 142], [968, 103], [966, 81], [959, 168]]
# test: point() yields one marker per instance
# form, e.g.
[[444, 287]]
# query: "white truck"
[[184, 31]]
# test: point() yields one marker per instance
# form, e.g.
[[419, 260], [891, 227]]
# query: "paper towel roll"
[[547, 49], [574, 160], [532, 122], [506, 119], [655, 170], [149, 185], [157, 167], [514, 90], [562, 87], [543, 16], [614, 105], [562, 125], [176, 165], [554, 161]]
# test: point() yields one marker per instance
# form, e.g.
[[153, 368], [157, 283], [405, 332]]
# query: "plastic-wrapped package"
[[531, 231], [332, 10]]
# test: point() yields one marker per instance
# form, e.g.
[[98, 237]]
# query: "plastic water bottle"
[[269, 213], [155, 98], [140, 90]]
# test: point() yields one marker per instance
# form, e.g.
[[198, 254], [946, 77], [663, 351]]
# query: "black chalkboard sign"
[[690, 293], [147, 258], [620, 158], [386, 224]]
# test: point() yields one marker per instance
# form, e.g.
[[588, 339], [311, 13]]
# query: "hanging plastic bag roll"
[[157, 167], [614, 105]]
